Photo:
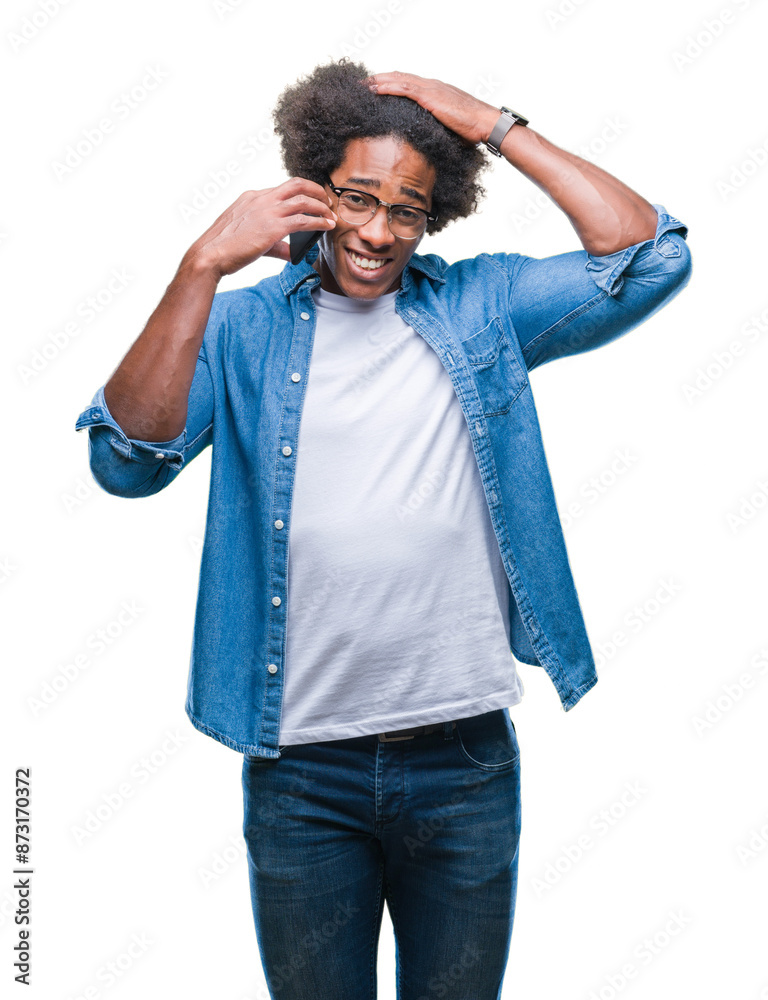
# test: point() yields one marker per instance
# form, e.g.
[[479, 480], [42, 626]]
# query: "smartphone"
[[303, 241]]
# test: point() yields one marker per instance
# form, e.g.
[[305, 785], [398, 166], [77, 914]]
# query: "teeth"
[[366, 262]]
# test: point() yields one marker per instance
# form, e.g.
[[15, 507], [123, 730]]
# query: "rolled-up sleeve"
[[131, 467], [575, 302]]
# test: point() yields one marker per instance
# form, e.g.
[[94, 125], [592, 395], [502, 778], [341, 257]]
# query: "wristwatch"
[[503, 125]]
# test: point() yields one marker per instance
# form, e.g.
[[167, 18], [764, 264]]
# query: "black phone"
[[303, 241]]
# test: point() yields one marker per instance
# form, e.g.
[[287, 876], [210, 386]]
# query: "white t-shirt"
[[397, 596]]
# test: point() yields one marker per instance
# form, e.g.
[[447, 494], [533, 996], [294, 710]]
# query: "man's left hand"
[[459, 111]]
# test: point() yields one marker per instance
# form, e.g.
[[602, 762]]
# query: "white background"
[[608, 80]]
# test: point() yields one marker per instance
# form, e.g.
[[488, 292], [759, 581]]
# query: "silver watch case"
[[507, 119]]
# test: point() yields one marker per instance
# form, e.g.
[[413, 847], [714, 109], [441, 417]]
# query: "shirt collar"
[[293, 275]]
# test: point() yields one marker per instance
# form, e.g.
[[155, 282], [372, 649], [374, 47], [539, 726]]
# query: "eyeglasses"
[[358, 207]]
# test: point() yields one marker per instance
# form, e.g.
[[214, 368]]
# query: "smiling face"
[[392, 170]]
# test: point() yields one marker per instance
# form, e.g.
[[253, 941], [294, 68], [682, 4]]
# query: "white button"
[[272, 668], [159, 454], [305, 315], [295, 377], [276, 601], [287, 450], [278, 524]]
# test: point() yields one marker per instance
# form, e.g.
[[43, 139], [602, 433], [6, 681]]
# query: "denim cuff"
[[607, 271], [97, 415]]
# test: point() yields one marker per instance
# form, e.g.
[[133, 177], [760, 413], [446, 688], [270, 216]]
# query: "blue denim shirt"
[[491, 319]]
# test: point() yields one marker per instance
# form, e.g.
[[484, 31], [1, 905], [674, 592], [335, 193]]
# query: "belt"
[[408, 734]]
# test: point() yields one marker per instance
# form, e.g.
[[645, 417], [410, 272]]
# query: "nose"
[[376, 231]]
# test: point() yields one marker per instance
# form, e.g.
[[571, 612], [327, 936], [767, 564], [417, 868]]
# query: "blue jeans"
[[429, 824]]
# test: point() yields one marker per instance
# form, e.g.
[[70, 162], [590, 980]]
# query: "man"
[[373, 404]]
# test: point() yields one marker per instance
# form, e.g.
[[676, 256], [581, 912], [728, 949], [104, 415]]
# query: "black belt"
[[408, 734]]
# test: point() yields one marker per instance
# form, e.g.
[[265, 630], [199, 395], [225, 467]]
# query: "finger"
[[281, 250], [308, 222], [301, 204], [394, 82], [302, 185]]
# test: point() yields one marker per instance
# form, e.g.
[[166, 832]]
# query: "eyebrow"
[[372, 182]]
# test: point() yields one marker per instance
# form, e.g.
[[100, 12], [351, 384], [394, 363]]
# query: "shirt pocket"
[[499, 375]]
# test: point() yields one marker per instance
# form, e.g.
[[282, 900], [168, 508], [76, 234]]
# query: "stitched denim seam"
[[495, 263], [577, 693], [584, 307], [479, 764], [618, 268], [220, 737], [507, 406], [483, 364], [279, 457], [189, 444]]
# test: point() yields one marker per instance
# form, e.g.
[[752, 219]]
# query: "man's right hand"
[[257, 223], [148, 393]]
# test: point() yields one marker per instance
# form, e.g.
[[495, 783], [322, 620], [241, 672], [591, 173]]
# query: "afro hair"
[[318, 115]]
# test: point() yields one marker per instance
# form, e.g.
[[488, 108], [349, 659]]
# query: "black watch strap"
[[503, 125]]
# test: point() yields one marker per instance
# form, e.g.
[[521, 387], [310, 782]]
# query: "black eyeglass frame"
[[338, 191]]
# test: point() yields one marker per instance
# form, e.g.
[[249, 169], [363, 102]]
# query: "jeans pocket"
[[488, 742]]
